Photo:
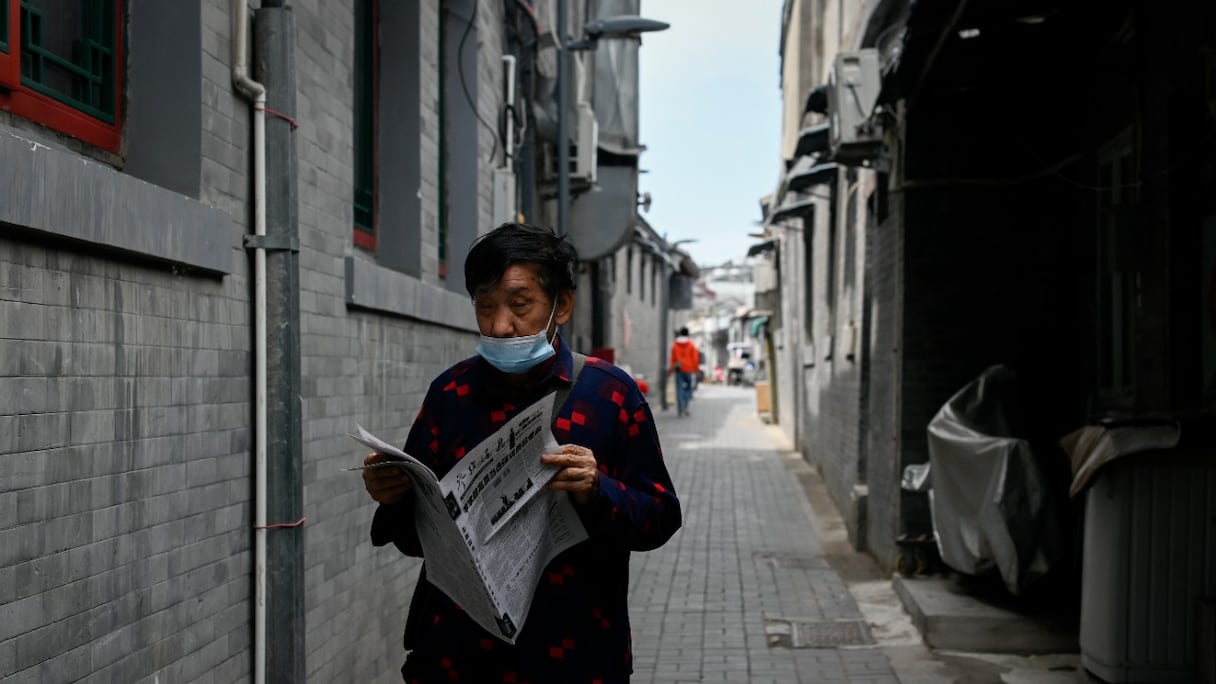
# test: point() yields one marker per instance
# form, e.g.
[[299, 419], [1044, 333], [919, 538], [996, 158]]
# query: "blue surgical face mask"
[[518, 354]]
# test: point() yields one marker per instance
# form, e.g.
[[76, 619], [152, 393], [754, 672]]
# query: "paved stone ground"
[[716, 603]]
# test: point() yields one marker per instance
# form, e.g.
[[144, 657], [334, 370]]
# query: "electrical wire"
[[464, 87], [529, 43], [523, 125], [531, 15], [1054, 169]]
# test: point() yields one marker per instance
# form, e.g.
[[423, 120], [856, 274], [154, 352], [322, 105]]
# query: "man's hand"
[[386, 485], [578, 474]]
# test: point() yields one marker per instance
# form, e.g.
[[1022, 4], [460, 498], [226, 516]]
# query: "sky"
[[710, 117]]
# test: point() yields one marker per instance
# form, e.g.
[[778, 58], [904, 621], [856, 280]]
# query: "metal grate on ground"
[[798, 633]]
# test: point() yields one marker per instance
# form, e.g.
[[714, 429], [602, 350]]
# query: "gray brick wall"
[[226, 120], [360, 366], [643, 351], [125, 440], [124, 457], [787, 375], [885, 464], [834, 389], [789, 366], [646, 342], [124, 470]]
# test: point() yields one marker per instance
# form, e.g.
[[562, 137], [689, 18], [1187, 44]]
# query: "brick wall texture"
[[125, 408], [833, 432], [641, 306], [884, 467]]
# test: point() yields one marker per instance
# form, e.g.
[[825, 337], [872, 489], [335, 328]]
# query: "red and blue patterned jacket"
[[578, 627]]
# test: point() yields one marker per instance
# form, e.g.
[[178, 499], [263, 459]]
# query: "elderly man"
[[522, 281]]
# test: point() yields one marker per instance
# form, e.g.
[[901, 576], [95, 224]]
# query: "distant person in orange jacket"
[[685, 363]]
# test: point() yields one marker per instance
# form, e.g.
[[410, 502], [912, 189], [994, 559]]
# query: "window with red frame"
[[365, 122], [61, 66]]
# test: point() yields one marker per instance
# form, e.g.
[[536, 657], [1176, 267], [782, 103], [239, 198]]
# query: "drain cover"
[[794, 562], [789, 633]]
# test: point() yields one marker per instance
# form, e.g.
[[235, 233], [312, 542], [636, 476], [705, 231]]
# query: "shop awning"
[[762, 247], [799, 180], [812, 140], [757, 324], [799, 208]]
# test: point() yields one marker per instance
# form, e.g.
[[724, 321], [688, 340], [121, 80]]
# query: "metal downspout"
[[256, 93], [274, 41]]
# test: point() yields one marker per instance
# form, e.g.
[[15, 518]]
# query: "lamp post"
[[593, 31]]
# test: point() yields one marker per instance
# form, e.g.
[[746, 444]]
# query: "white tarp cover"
[[994, 503]]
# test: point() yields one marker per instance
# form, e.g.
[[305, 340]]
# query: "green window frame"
[[84, 78], [61, 65]]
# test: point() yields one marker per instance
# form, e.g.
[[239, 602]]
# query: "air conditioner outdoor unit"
[[854, 136], [584, 143]]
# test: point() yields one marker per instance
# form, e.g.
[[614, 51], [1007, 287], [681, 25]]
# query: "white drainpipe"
[[256, 93]]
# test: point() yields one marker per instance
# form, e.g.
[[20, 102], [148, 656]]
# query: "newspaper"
[[489, 527]]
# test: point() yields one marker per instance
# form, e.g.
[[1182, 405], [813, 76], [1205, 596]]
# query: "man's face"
[[519, 305]]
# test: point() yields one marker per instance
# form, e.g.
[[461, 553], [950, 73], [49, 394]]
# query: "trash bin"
[[1149, 559]]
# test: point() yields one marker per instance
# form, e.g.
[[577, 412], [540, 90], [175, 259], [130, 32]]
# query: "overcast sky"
[[710, 108]]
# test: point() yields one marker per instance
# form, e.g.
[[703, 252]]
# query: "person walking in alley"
[[522, 281], [685, 362]]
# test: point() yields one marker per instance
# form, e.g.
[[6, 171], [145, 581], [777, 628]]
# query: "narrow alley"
[[945, 270], [761, 585], [744, 592]]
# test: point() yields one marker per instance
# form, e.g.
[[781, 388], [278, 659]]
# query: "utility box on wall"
[[584, 157], [679, 287], [503, 197], [853, 87]]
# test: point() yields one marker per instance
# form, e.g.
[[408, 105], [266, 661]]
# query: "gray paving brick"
[[700, 602]]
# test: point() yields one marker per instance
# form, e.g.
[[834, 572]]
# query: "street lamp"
[[593, 31], [609, 27]]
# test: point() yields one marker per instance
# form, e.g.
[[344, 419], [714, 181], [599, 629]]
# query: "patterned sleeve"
[[637, 503], [395, 522]]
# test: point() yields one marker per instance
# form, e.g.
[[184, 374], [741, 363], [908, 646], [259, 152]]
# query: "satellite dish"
[[601, 221]]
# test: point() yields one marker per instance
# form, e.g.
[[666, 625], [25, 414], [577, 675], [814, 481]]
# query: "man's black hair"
[[684, 332], [518, 243]]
